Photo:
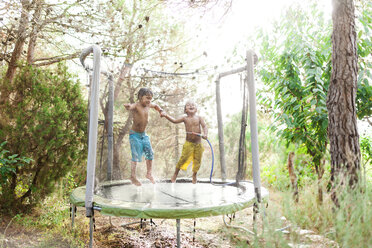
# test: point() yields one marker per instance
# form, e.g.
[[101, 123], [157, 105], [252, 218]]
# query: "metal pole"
[[91, 227], [234, 71], [110, 128], [253, 125], [178, 233], [93, 125], [90, 78], [220, 131]]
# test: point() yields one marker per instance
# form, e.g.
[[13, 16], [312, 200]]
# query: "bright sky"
[[220, 34]]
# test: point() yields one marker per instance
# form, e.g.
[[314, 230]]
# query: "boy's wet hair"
[[190, 101], [144, 92]]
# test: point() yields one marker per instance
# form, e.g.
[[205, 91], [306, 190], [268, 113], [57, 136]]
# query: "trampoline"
[[164, 200]]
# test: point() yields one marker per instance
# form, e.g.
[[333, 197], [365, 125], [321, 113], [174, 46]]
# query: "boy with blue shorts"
[[139, 141]]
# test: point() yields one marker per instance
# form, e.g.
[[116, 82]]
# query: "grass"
[[348, 226], [49, 226]]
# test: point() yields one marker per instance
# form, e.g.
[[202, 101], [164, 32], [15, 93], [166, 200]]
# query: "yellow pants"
[[191, 152]]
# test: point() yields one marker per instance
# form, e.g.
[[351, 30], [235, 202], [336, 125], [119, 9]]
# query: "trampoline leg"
[[178, 233], [91, 225], [72, 212], [255, 212], [193, 236], [110, 221]]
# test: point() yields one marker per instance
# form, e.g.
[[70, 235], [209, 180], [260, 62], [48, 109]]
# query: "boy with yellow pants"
[[192, 150]]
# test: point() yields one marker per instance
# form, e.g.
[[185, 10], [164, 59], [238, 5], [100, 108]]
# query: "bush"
[[9, 164], [43, 119]]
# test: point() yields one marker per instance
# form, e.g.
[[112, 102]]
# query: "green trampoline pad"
[[167, 200]]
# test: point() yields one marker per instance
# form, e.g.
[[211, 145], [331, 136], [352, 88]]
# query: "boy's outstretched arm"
[[173, 120], [204, 128], [157, 108], [130, 106]]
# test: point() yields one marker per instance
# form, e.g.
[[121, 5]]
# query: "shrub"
[[44, 119], [9, 163]]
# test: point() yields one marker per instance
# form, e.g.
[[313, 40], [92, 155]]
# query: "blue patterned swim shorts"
[[139, 145]]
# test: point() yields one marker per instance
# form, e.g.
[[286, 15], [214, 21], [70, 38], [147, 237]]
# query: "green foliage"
[[297, 69], [366, 154], [364, 38], [366, 148], [276, 175], [266, 143], [273, 154], [9, 164], [44, 119]]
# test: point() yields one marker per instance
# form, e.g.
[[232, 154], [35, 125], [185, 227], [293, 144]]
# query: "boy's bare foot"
[[150, 178], [135, 181], [193, 179], [173, 179]]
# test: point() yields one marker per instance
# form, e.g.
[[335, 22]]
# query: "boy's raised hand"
[[127, 106]]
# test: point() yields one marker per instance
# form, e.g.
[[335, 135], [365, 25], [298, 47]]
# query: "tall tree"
[[342, 119]]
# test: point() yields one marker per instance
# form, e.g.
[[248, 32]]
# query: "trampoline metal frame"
[[78, 201], [93, 130]]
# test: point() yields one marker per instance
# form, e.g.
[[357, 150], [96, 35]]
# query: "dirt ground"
[[209, 232], [13, 235]]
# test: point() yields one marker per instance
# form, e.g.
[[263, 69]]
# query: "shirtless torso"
[[140, 111], [194, 124]]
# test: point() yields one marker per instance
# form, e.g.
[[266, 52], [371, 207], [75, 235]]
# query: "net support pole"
[[110, 128], [220, 131], [219, 118], [253, 126], [93, 125], [178, 224]]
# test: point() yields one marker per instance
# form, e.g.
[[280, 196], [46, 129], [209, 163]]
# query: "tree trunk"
[[124, 72], [21, 37], [319, 167], [117, 175], [342, 127], [242, 156], [34, 32], [221, 144], [292, 176]]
